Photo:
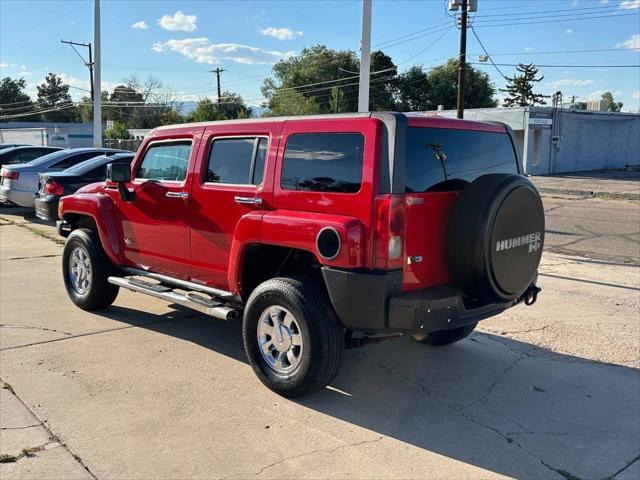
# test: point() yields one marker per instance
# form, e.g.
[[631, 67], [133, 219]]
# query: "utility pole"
[[97, 89], [462, 58], [218, 71], [88, 64], [365, 57]]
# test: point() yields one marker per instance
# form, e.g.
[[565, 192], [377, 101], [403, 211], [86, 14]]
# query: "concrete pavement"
[[611, 184], [146, 390]]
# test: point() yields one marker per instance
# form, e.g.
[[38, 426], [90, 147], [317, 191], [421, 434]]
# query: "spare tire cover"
[[496, 235]]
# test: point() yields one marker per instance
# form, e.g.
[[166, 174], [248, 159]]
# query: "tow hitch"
[[531, 295]]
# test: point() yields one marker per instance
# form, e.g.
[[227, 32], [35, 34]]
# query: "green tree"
[[231, 107], [612, 105], [383, 85], [413, 90], [443, 87], [53, 96], [290, 102], [325, 81], [15, 101], [86, 108], [120, 131], [520, 88]]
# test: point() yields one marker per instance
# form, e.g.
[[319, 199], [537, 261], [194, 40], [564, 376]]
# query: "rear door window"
[[167, 161], [436, 155], [323, 162], [237, 161]]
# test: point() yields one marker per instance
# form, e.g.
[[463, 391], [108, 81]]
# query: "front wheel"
[[85, 269], [292, 337], [445, 337]]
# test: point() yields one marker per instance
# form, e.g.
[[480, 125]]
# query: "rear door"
[[233, 179], [440, 162]]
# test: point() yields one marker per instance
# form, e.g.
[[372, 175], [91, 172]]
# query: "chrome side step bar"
[[189, 300], [186, 285]]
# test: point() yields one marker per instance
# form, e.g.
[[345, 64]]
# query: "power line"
[[484, 25], [487, 53], [564, 66], [549, 52]]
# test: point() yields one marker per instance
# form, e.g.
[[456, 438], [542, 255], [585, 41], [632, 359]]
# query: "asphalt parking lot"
[[146, 390]]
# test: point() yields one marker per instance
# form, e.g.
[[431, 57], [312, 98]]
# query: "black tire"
[[99, 293], [445, 337], [322, 335]]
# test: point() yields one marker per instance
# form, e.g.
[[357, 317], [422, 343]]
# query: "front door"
[[155, 224], [231, 183]]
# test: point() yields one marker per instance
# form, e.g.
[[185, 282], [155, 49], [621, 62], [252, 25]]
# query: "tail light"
[[389, 231], [53, 188], [10, 174]]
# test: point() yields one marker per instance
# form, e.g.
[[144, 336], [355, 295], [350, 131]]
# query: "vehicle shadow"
[[496, 403]]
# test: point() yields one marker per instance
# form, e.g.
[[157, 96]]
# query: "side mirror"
[[120, 173]]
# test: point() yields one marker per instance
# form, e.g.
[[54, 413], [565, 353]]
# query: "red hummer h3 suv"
[[321, 232]]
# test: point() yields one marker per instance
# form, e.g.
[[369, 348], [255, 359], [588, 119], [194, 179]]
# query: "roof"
[[434, 121]]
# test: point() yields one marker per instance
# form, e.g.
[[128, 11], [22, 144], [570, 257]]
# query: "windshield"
[[437, 155]]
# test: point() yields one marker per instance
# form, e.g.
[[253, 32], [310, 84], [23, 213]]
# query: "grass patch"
[[42, 233], [6, 458]]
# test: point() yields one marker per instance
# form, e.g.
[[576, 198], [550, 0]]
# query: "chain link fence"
[[123, 144]]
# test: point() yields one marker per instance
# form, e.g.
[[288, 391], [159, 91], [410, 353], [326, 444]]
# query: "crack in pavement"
[[21, 428], [304, 454], [52, 255], [88, 334], [34, 328], [53, 438], [633, 460]]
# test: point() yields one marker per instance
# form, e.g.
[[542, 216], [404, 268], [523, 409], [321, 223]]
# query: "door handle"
[[248, 200], [183, 195]]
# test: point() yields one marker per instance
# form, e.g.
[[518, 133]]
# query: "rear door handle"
[[183, 195], [248, 200]]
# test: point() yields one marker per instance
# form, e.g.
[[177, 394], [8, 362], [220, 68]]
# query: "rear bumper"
[[21, 198], [374, 302], [46, 208]]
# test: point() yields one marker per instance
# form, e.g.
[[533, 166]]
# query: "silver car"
[[20, 182]]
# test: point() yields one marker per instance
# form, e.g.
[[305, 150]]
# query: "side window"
[[323, 162], [74, 160], [165, 162], [238, 161]]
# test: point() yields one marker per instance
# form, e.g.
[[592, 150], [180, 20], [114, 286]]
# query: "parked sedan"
[[16, 154], [54, 185], [20, 182]]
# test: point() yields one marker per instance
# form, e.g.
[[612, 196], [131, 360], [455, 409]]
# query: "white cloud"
[[568, 82], [141, 25], [630, 4], [595, 95], [178, 22], [636, 95], [203, 51], [568, 31], [633, 43], [528, 49], [604, 2], [283, 33]]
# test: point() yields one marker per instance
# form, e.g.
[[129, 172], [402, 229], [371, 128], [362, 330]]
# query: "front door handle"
[[248, 200], [183, 195]]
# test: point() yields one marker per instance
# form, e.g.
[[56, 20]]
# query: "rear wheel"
[[85, 269], [445, 337], [292, 337]]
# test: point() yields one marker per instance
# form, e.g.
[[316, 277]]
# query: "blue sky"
[[177, 42]]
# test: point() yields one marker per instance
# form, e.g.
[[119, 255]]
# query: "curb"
[[591, 193]]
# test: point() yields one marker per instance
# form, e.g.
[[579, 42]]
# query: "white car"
[[20, 182]]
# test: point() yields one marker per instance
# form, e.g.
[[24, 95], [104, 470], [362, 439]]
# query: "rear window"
[[437, 155], [323, 162]]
